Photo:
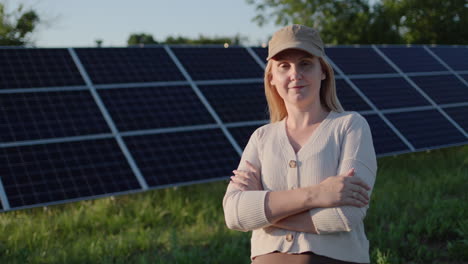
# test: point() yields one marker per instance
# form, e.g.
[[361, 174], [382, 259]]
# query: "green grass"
[[418, 214]]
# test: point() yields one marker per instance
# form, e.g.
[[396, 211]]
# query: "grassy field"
[[418, 214]]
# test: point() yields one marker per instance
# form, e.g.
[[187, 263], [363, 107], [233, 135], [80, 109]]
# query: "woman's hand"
[[247, 180], [342, 190]]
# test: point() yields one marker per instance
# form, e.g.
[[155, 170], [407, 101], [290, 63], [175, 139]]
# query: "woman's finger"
[[251, 166], [239, 179], [357, 181], [245, 174], [241, 173], [349, 173], [359, 197], [354, 202], [361, 191]]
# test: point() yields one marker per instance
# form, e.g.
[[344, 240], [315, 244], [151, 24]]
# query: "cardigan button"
[[289, 237], [292, 164]]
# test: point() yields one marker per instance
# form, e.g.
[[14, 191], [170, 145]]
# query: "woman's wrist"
[[311, 196]]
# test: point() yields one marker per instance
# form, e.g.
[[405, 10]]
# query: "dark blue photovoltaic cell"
[[237, 102], [414, 59], [464, 76], [62, 171], [426, 129], [28, 68], [218, 63], [154, 107], [349, 99], [242, 134], [384, 139], [443, 89], [358, 60], [459, 115], [128, 65], [262, 53], [455, 57], [390, 92], [183, 157], [27, 116]]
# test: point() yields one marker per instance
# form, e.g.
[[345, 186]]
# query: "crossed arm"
[[290, 209]]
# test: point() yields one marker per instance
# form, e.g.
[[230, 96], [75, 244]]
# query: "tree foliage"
[[143, 38], [17, 26], [386, 21], [434, 22]]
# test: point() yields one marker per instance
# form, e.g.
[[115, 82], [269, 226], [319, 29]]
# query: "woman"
[[304, 180]]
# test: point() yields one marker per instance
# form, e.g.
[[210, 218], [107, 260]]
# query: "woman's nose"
[[296, 73]]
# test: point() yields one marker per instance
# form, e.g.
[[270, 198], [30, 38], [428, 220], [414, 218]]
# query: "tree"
[[136, 39], [99, 42], [141, 38], [339, 21], [386, 21], [16, 27], [432, 21], [198, 41]]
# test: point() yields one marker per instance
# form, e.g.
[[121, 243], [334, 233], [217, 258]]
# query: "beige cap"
[[296, 37]]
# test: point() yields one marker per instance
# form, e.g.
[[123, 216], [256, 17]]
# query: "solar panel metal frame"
[[118, 135]]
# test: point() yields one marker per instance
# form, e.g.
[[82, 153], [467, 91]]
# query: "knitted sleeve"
[[357, 151], [245, 210]]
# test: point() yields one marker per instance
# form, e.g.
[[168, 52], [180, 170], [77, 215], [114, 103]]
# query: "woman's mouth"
[[297, 87]]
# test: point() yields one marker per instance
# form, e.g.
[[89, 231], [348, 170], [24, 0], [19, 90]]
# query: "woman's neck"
[[303, 118]]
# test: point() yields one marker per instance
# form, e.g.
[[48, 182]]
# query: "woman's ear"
[[270, 79], [324, 76]]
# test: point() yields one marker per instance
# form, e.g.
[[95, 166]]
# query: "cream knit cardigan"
[[342, 141]]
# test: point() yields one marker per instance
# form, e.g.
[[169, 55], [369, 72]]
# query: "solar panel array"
[[82, 123]]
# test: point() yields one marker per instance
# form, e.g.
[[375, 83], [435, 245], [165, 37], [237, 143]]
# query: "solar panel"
[[30, 116], [413, 59], [426, 129], [128, 65], [362, 60], [349, 99], [443, 89], [464, 76], [455, 57], [26, 68], [154, 107], [262, 53], [242, 134], [460, 115], [45, 173], [218, 63], [388, 93], [91, 122], [237, 102], [183, 156], [384, 139]]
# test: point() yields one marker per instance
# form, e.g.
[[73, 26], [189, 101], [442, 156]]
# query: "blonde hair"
[[328, 97]]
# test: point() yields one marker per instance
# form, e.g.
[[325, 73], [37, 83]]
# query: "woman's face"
[[297, 76]]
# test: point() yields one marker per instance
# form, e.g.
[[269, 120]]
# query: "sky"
[[79, 23]]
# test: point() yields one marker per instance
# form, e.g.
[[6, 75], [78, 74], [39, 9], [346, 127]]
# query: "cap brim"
[[309, 48]]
